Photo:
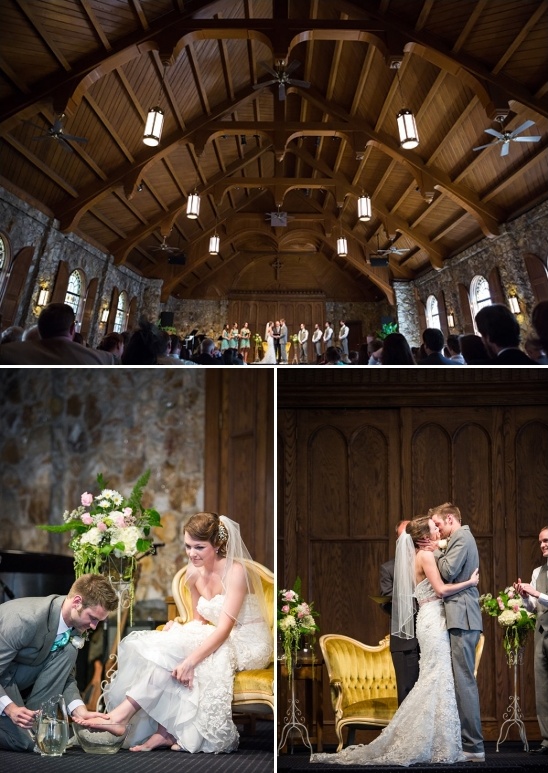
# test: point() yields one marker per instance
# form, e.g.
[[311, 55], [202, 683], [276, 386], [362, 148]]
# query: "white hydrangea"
[[129, 535], [93, 536], [287, 622], [508, 617]]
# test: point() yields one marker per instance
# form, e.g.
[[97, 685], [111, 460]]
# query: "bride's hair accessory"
[[222, 532], [403, 613]]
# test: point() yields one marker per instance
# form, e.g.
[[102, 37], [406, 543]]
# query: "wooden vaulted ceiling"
[[103, 63]]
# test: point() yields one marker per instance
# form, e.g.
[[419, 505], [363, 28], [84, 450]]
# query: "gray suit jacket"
[[283, 334], [456, 565], [28, 628]]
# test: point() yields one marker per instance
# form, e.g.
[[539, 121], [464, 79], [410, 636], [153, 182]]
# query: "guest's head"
[[396, 351], [373, 345], [353, 357], [145, 345], [533, 347], [166, 342], [207, 346], [176, 345], [539, 318], [230, 357], [498, 327], [56, 320], [432, 339], [207, 527], [113, 343], [332, 355], [31, 334], [12, 334], [453, 344], [473, 350]]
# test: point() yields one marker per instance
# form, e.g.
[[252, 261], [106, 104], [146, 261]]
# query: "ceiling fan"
[[56, 132], [391, 250], [281, 76], [506, 137], [165, 247]]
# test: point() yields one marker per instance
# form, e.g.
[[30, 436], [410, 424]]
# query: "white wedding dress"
[[270, 355], [426, 726], [199, 718]]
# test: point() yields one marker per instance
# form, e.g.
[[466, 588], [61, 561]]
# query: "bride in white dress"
[[270, 354], [426, 727], [175, 686]]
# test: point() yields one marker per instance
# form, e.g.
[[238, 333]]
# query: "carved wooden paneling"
[[431, 467], [369, 471], [472, 466], [327, 477]]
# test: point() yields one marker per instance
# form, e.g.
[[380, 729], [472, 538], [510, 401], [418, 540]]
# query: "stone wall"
[[208, 317], [371, 315], [60, 428]]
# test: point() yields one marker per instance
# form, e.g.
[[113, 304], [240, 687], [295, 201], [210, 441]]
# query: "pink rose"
[[87, 519], [120, 521], [500, 602], [102, 526], [86, 499], [289, 595], [515, 608], [285, 609], [127, 512], [511, 594]]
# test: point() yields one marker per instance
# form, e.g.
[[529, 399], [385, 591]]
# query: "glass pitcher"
[[52, 727]]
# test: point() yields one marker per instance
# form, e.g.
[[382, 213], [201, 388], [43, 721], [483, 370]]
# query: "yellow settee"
[[253, 686]]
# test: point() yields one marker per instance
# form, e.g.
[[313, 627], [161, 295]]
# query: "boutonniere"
[[79, 641], [442, 545]]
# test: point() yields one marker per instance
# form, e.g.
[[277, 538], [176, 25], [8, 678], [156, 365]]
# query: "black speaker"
[[166, 319], [178, 259]]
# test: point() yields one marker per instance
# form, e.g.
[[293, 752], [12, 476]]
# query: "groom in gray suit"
[[283, 341], [456, 563], [39, 641]]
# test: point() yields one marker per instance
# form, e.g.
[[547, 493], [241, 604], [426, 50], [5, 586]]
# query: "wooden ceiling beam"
[[38, 164], [26, 9], [97, 28]]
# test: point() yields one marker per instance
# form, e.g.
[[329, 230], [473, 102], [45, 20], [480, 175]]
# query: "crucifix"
[[277, 265]]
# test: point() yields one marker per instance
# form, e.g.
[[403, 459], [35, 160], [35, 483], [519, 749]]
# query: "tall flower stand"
[[293, 720], [513, 715]]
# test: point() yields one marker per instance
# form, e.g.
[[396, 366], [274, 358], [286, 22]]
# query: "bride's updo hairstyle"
[[419, 528], [208, 527]]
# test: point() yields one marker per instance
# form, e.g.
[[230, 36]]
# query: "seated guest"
[[534, 350], [473, 350], [333, 356], [206, 355], [113, 343], [230, 357], [11, 334], [374, 349], [31, 334], [432, 339], [500, 332], [56, 325], [145, 345], [453, 347], [539, 318], [353, 357], [396, 351]]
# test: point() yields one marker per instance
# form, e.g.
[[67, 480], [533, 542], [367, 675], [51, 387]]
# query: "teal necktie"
[[61, 640]]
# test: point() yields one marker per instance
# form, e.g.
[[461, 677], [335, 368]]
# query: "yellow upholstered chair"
[[250, 687], [362, 683]]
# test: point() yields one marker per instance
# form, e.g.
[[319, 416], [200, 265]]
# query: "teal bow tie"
[[61, 640]]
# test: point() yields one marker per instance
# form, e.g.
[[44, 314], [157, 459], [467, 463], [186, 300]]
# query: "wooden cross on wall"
[[277, 265]]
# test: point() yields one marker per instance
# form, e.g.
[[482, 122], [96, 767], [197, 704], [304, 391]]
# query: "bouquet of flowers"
[[295, 620], [109, 525], [294, 338], [517, 622], [257, 340]]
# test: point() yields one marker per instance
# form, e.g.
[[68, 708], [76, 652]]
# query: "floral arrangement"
[[294, 338], [295, 620], [108, 525], [386, 329], [256, 338], [517, 622]]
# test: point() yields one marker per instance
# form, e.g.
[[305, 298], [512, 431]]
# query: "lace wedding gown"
[[270, 356], [426, 727], [199, 718]]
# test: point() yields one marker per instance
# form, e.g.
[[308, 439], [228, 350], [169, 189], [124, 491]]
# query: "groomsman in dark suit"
[[39, 641], [535, 598], [405, 652]]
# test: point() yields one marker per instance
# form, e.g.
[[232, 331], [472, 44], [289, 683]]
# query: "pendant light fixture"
[[407, 127], [214, 243], [342, 246], [155, 119], [364, 208], [193, 205]]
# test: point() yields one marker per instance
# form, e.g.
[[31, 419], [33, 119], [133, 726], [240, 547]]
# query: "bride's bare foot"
[[103, 724], [156, 741]]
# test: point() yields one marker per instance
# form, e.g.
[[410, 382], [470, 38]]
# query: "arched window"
[[432, 312], [480, 295], [3, 253], [120, 320], [75, 295]]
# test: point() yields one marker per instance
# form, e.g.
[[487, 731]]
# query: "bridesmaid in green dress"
[[234, 337], [245, 335], [225, 337]]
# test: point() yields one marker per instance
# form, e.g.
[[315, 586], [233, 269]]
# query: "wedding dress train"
[[199, 718], [426, 726]]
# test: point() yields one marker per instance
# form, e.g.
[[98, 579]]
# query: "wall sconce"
[[155, 120], [364, 208], [214, 244], [43, 296], [193, 206], [407, 127], [104, 315], [450, 320], [514, 304]]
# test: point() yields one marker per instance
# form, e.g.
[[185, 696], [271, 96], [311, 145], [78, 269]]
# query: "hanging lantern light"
[[193, 206], [153, 126], [407, 127], [342, 247], [214, 245], [364, 208]]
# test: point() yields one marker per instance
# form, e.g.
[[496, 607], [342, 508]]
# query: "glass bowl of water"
[[103, 739]]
